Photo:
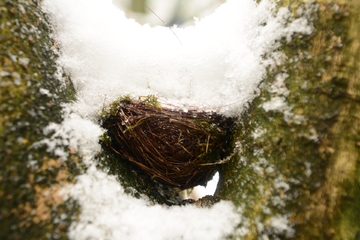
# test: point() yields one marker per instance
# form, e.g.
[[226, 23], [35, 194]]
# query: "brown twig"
[[173, 147]]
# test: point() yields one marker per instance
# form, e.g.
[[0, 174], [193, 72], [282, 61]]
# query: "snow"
[[200, 191], [218, 66], [281, 224], [120, 216]]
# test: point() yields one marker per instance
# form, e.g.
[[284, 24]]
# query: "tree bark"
[[300, 164], [30, 98]]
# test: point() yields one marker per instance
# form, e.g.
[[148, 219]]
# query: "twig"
[[162, 21]]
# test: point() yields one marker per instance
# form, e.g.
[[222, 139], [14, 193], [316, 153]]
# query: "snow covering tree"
[[296, 176]]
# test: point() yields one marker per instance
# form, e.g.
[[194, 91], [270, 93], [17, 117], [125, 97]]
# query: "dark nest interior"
[[177, 148]]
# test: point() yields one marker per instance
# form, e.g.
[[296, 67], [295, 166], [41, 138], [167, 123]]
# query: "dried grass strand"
[[172, 147]]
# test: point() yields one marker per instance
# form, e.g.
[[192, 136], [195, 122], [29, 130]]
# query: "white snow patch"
[[275, 104], [258, 132], [45, 92], [201, 191], [281, 224], [308, 168], [109, 213], [24, 61], [280, 183], [217, 68], [270, 169], [80, 135], [314, 136], [279, 104], [278, 86]]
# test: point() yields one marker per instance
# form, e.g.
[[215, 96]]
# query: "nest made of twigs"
[[177, 148]]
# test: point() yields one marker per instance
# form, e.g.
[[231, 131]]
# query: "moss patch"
[[301, 166], [30, 98]]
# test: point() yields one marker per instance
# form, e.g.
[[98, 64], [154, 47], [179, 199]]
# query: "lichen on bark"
[[30, 98], [298, 173]]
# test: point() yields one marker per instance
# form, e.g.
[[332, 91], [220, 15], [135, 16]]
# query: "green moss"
[[105, 138], [113, 108], [292, 168], [348, 224], [30, 98], [152, 101], [134, 126]]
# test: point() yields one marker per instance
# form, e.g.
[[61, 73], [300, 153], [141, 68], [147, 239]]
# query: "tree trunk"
[[297, 174], [30, 98], [298, 171]]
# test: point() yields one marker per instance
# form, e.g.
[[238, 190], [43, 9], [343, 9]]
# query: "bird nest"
[[177, 148]]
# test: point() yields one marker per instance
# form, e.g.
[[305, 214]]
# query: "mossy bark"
[[298, 175], [30, 97]]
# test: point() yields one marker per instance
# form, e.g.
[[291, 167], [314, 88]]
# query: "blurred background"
[[173, 12]]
